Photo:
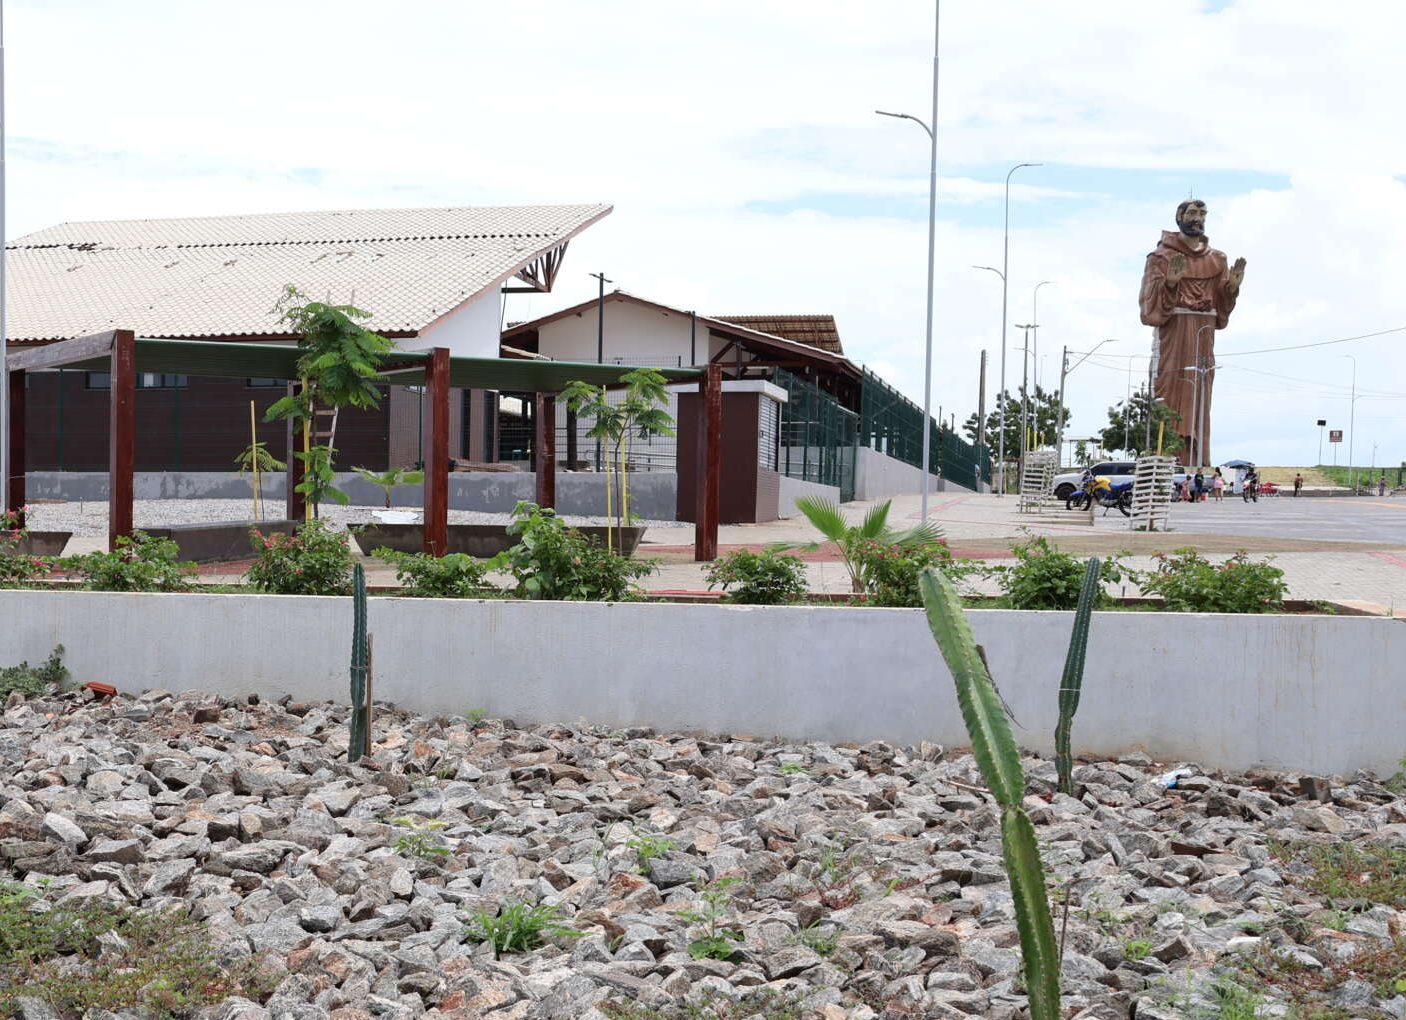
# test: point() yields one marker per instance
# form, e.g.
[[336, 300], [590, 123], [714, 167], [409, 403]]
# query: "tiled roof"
[[220, 275], [815, 330]]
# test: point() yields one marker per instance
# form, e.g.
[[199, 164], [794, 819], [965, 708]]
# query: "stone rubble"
[[869, 879]]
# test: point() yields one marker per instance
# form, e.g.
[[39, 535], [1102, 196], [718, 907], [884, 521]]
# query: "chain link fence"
[[893, 425], [816, 436]]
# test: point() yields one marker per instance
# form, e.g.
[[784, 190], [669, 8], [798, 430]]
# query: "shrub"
[[1190, 584], [31, 680], [552, 561], [1045, 578], [456, 576], [891, 571], [17, 569], [139, 563], [314, 561], [767, 578]]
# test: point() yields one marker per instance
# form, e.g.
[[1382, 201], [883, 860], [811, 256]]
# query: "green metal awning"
[[239, 360]]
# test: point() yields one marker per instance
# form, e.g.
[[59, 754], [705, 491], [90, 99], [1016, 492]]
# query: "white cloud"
[[691, 117]]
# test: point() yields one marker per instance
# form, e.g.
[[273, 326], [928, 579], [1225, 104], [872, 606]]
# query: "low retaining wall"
[[652, 493], [1319, 694], [794, 488], [878, 476]]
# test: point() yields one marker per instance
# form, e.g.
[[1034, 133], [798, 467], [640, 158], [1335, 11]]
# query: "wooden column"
[[436, 527], [296, 507], [544, 448], [14, 489], [122, 436], [709, 488]]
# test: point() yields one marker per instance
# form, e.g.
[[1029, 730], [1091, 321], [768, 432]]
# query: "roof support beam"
[[544, 448], [14, 490], [436, 498], [541, 273], [62, 353], [709, 486], [122, 436]]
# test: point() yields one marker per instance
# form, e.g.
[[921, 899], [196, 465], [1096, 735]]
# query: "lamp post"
[[1024, 387], [932, 245], [1351, 431], [1321, 423], [1198, 412], [1035, 319], [1064, 371]]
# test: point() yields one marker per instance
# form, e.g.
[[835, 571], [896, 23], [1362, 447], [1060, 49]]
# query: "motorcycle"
[[1250, 492], [1102, 492]]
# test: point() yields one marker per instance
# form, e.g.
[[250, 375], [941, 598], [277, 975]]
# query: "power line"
[[1320, 343]]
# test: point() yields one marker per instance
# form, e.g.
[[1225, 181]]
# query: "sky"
[[749, 173]]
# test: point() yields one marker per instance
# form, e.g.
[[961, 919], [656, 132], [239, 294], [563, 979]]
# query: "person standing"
[[1218, 486], [1298, 483], [1198, 487], [1381, 486]]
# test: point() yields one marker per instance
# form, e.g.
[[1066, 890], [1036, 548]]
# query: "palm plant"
[[388, 481], [853, 540], [255, 459]]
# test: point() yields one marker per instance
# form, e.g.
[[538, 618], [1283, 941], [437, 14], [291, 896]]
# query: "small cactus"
[[1072, 682], [360, 741], [998, 758]]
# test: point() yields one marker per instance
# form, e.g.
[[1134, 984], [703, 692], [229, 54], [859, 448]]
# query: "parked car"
[[1116, 471]]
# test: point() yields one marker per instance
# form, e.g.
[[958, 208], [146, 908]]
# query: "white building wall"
[[472, 331], [634, 334]]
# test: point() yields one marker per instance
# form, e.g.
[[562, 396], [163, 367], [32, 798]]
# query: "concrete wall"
[[471, 331], [1319, 694], [653, 494], [792, 488]]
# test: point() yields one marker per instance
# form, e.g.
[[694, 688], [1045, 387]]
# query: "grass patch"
[[1345, 873], [519, 928], [34, 680], [159, 964]]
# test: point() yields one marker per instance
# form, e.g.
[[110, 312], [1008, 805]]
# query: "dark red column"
[[709, 488], [122, 436], [436, 527], [14, 489], [544, 448], [295, 505]]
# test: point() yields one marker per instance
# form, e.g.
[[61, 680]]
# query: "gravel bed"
[[87, 520], [868, 880]]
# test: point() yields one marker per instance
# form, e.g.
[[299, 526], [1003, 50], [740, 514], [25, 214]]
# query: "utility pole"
[[981, 412], [1024, 390], [4, 367], [1321, 422], [600, 338], [1351, 429]]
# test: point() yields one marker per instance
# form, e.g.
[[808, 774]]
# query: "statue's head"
[[1191, 217]]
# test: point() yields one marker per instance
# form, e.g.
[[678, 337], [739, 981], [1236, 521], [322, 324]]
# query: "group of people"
[[1194, 488]]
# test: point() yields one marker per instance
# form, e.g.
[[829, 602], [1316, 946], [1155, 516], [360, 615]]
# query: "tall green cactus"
[[358, 743], [1072, 683], [998, 758]]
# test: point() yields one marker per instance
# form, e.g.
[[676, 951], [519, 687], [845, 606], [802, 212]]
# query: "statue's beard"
[[1191, 229]]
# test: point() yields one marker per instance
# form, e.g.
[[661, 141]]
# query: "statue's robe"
[[1186, 318]]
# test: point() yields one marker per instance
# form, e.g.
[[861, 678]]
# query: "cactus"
[[998, 758], [1072, 683], [360, 739]]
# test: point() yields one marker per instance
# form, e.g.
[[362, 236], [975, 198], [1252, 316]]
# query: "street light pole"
[[1024, 385], [1035, 318], [932, 249], [1351, 430], [1064, 371], [1005, 272]]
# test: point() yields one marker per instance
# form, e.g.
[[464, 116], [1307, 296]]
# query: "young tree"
[[1042, 419], [1128, 430]]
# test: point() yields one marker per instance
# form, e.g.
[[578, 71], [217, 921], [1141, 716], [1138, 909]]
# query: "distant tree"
[[1082, 456], [1043, 421], [1127, 428]]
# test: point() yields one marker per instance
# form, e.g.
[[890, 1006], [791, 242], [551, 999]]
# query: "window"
[[145, 381], [264, 384]]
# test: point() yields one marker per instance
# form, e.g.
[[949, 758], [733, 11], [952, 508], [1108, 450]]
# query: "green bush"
[[1190, 584], [552, 561], [891, 571], [314, 561], [31, 680], [767, 578], [1045, 578], [139, 563], [455, 576]]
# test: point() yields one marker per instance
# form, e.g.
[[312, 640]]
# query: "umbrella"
[[1237, 464]]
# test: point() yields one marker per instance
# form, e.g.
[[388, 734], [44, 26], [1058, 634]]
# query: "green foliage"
[[1045, 578], [1348, 872], [1072, 682], [420, 842], [763, 1003], [166, 966], [389, 480], [1236, 1002], [766, 578], [314, 561], [256, 456], [32, 680], [818, 938], [1137, 949], [891, 572], [1190, 584], [139, 563], [552, 561], [338, 359], [998, 758], [1042, 418], [648, 846], [1127, 428], [854, 540], [793, 768], [716, 942], [319, 476], [518, 928], [17, 569], [453, 576]]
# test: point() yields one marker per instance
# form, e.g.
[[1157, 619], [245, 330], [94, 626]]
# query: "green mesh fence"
[[817, 435], [893, 425]]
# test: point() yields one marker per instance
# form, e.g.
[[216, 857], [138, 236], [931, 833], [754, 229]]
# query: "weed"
[[518, 928], [1346, 872], [793, 768], [1396, 783], [648, 846], [835, 877], [476, 715], [818, 939], [420, 842], [1236, 1002], [750, 1004], [716, 942], [155, 964], [31, 680], [1137, 949]]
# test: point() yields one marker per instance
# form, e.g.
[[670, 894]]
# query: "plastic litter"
[[1169, 779]]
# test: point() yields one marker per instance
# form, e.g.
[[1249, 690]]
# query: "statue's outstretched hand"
[[1176, 269], [1237, 273]]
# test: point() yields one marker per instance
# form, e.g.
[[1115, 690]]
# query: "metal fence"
[[893, 425], [516, 432], [816, 435]]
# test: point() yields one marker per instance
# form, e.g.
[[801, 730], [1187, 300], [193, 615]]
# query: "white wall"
[[794, 488], [473, 331], [1319, 694], [633, 333]]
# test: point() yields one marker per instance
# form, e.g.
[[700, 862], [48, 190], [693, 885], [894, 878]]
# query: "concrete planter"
[[1319, 694], [228, 540], [40, 543], [479, 540]]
